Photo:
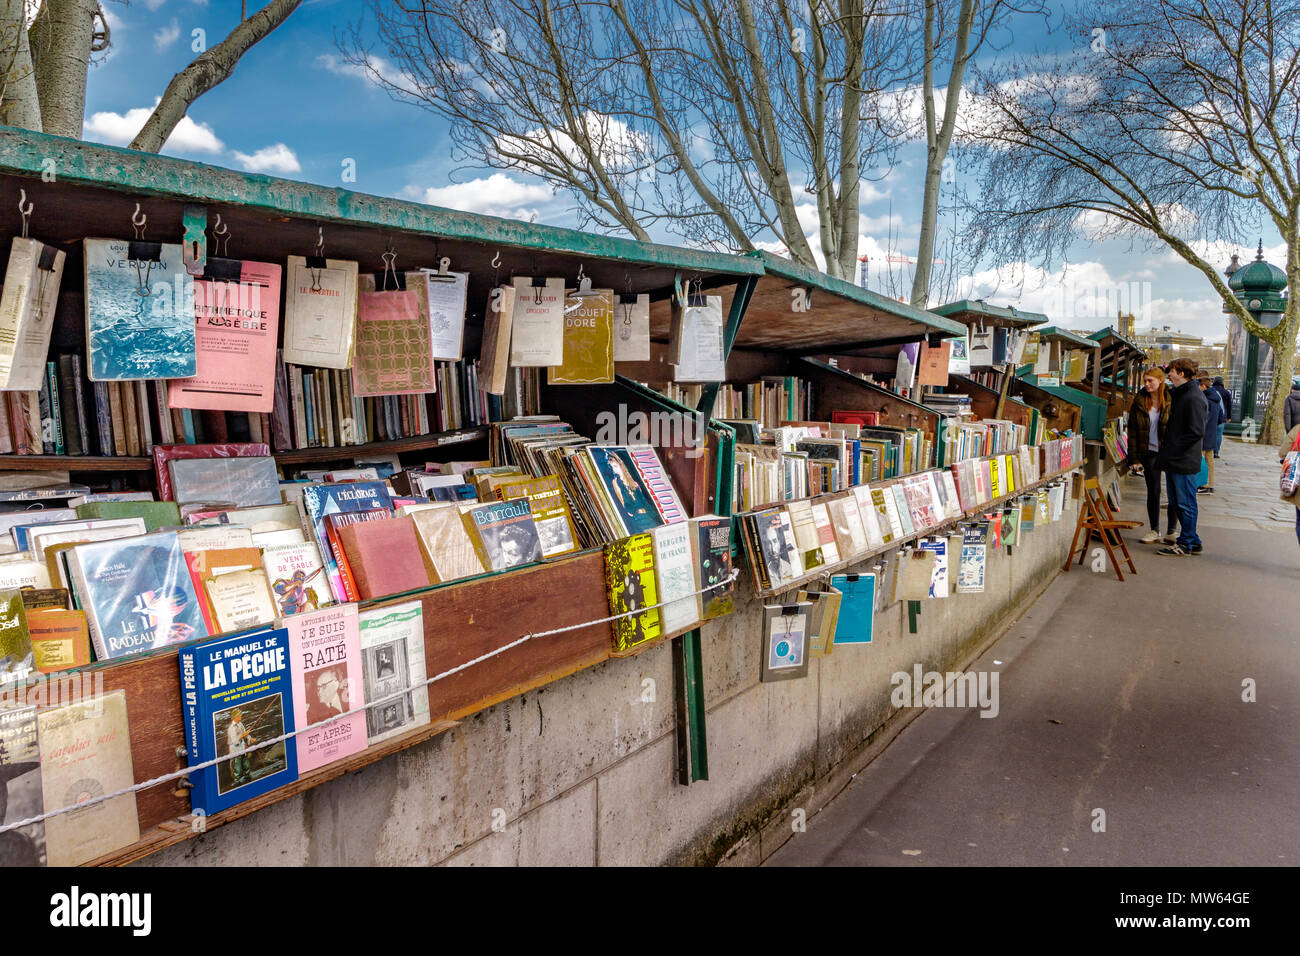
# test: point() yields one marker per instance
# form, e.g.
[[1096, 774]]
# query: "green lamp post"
[[1259, 285]]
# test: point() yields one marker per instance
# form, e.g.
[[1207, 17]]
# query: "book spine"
[[130, 418], [214, 427], [281, 410], [6, 433], [166, 418], [142, 406], [308, 405], [82, 594], [187, 427], [189, 700], [55, 444], [294, 375], [350, 592], [79, 383], [18, 423], [68, 406]]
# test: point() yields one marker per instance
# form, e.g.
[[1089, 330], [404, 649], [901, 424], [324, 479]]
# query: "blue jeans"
[[1171, 506], [1185, 488], [1297, 524], [1219, 441]]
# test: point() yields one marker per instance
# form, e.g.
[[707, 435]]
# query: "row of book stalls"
[[442, 460]]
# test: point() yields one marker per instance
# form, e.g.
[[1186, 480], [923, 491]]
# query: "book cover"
[[921, 505], [326, 499], [392, 667], [446, 293], [657, 482], [504, 534], [777, 544], [384, 557], [712, 553], [16, 658], [846, 521], [60, 639], [857, 607], [137, 594], [86, 753], [785, 642], [237, 693], [537, 326], [494, 353], [447, 543], [631, 501], [320, 312], [882, 500], [630, 576], [555, 531], [237, 320], [675, 576], [245, 482], [939, 574], [24, 573], [825, 533], [239, 599], [862, 497], [696, 346], [631, 323], [823, 613], [155, 514], [43, 537], [70, 423], [393, 351], [334, 525], [296, 575], [894, 493], [974, 556], [139, 311], [27, 305], [588, 341], [20, 788], [325, 655]]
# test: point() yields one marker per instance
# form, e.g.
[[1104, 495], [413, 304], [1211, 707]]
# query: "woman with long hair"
[[1147, 419]]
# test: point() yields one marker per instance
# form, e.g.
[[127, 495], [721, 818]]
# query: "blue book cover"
[[857, 607], [321, 500], [139, 312], [237, 692], [137, 594]]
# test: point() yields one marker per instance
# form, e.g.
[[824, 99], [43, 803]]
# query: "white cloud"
[[166, 36], [118, 129], [386, 70], [154, 4], [497, 195], [277, 158]]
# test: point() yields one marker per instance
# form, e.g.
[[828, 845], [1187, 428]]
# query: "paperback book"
[[325, 651], [630, 576], [392, 665]]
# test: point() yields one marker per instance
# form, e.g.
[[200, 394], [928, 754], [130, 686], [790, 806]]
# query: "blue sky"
[[293, 109]]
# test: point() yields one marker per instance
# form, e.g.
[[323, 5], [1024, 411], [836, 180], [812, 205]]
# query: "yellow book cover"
[[630, 574], [995, 477], [588, 341]]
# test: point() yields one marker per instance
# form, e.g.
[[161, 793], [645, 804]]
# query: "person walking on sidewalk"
[[1226, 395], [1148, 419], [1180, 452], [1213, 423], [1291, 407]]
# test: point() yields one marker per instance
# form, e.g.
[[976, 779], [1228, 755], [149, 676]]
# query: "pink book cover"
[[237, 319], [393, 354], [325, 658]]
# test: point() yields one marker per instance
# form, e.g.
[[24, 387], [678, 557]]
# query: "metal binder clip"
[[390, 268], [442, 275], [627, 297], [584, 285], [221, 237], [539, 284], [25, 208], [316, 263], [138, 221]]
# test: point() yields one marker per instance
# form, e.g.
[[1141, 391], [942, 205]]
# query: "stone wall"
[[583, 771]]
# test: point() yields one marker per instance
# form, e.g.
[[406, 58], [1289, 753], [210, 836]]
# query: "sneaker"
[[1210, 490], [1204, 489], [1196, 549], [1151, 537], [1174, 549], [1169, 538]]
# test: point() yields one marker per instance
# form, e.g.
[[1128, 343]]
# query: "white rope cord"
[[145, 785]]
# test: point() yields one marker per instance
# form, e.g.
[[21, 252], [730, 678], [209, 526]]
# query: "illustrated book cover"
[[392, 666], [630, 576], [325, 655]]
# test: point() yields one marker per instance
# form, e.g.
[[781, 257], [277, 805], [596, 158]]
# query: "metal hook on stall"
[[390, 268], [318, 267], [138, 221], [25, 208], [221, 237]]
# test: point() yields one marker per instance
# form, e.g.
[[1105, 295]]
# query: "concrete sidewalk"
[[1123, 698]]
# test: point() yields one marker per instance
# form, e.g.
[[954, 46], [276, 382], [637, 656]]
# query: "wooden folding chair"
[[1095, 517]]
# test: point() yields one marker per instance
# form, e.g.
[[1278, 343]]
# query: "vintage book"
[[823, 612], [392, 666], [504, 534], [42, 537], [85, 754], [537, 327], [320, 312], [781, 556], [825, 533], [862, 496], [73, 437], [20, 785], [448, 545], [806, 538], [555, 531], [237, 319], [922, 508], [60, 639], [974, 557], [296, 575], [393, 351], [887, 516], [915, 575], [712, 553], [785, 642], [52, 413], [155, 514], [675, 576], [244, 481], [628, 503], [239, 599], [27, 304], [385, 557], [939, 575], [236, 693], [588, 341], [321, 500], [137, 594], [325, 651], [334, 525], [16, 658], [846, 521], [696, 348], [630, 576], [446, 293], [656, 481], [631, 327], [24, 573], [494, 354], [210, 563], [857, 607], [139, 311], [44, 599], [214, 538]]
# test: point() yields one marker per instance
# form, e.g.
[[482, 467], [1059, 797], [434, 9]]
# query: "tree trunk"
[[19, 102], [1283, 346], [60, 42], [209, 69], [929, 224]]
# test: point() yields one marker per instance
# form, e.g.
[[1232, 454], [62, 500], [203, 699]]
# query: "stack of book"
[[770, 401]]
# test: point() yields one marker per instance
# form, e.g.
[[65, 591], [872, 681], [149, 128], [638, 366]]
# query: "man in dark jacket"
[[1213, 423], [1226, 396], [1291, 407], [1180, 452]]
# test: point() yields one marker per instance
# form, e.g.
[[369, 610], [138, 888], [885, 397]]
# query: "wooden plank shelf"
[[948, 525], [75, 463]]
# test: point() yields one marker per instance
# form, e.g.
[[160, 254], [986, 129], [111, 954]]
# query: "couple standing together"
[[1172, 428]]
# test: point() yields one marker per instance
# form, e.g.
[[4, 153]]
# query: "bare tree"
[[1177, 121], [722, 120], [46, 66]]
